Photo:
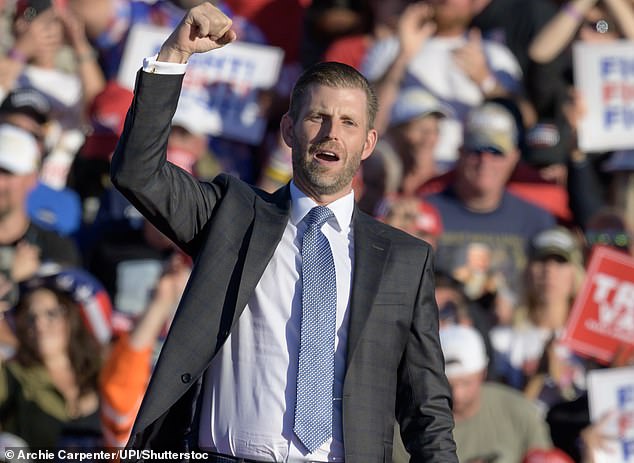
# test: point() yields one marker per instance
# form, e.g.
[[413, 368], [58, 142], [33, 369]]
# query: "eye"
[[315, 117], [349, 123]]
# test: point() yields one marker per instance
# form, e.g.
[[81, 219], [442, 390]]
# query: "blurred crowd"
[[478, 155]]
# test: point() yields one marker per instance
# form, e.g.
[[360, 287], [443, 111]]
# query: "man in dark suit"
[[246, 351]]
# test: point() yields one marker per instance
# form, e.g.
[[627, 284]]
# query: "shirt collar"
[[301, 204]]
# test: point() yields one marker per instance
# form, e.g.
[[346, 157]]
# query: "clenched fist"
[[203, 28]]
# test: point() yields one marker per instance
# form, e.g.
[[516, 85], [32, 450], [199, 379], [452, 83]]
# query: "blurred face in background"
[[418, 139], [48, 32], [451, 15], [485, 172], [552, 279], [48, 322], [465, 393]]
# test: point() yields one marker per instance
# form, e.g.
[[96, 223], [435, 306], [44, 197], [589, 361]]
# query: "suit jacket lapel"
[[370, 254], [268, 228]]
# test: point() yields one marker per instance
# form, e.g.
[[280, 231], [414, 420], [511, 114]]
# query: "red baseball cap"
[[107, 115]]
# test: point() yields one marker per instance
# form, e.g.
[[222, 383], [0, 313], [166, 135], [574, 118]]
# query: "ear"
[[286, 128], [370, 143]]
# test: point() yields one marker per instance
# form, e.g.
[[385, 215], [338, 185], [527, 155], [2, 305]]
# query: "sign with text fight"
[[601, 322], [604, 74]]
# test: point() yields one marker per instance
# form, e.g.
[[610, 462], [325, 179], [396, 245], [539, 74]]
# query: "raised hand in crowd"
[[92, 78], [415, 26], [472, 60]]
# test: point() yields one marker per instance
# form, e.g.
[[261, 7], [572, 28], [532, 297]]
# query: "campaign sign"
[[604, 74], [611, 404], [226, 83], [602, 317]]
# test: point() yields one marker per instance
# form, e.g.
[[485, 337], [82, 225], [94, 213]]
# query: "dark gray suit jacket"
[[394, 362]]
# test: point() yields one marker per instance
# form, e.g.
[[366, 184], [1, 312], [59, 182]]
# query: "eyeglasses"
[[50, 315], [617, 238]]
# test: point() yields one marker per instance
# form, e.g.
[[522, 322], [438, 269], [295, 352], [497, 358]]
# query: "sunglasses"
[[480, 150], [617, 238]]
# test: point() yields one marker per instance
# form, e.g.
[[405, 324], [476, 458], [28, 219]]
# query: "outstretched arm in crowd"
[[126, 373], [95, 14], [561, 30], [414, 28], [88, 69]]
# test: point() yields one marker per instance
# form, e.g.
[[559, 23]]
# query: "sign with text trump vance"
[[602, 318], [227, 83], [611, 404], [604, 74]]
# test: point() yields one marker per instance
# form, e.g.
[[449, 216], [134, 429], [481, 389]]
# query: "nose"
[[329, 129]]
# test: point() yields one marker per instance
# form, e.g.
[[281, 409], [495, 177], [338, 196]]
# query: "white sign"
[[611, 397], [225, 82], [604, 74]]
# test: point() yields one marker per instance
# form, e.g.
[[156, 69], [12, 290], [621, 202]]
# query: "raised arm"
[[173, 200], [414, 28], [559, 31]]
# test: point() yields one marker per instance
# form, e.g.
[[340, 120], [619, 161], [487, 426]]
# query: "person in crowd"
[[492, 420], [23, 243], [494, 423], [466, 71], [244, 243], [522, 351], [403, 159], [41, 31], [486, 228], [48, 391]]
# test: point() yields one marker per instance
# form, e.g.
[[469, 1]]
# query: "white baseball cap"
[[464, 351], [19, 151], [415, 102]]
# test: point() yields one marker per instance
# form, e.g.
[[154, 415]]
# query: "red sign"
[[602, 318]]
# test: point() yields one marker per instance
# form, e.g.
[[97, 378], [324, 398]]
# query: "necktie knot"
[[318, 215]]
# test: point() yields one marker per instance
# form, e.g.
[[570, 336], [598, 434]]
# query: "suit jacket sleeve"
[[423, 406], [172, 199]]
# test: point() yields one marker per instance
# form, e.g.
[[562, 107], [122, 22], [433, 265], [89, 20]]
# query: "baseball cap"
[[19, 151], [553, 455], [29, 9], [107, 115], [490, 126], [54, 209], [546, 143], [464, 351], [415, 102], [27, 101], [556, 241], [192, 116]]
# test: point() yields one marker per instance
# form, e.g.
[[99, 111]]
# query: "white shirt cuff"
[[161, 67]]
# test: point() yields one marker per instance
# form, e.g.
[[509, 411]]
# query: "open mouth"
[[327, 156]]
